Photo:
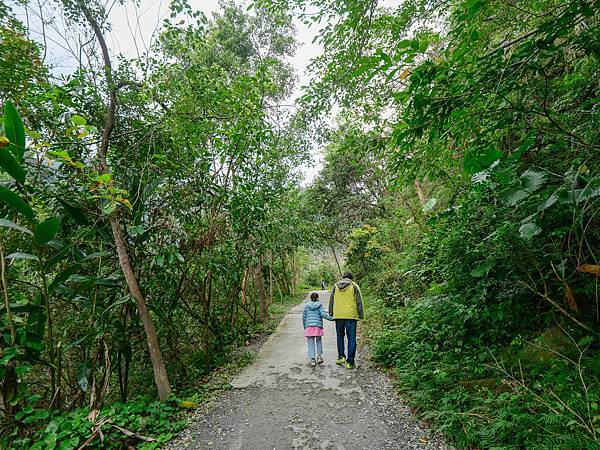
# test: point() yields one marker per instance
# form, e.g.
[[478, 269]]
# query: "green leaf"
[[16, 203], [480, 159], [514, 196], [568, 196], [75, 212], [78, 120], [476, 6], [10, 165], [91, 280], [13, 127], [590, 191], [362, 69], [532, 181], [76, 278], [63, 276], [9, 353], [529, 230], [430, 204], [20, 255], [548, 203], [34, 345], [385, 57], [46, 230], [96, 255], [10, 224], [36, 326], [482, 269], [524, 147], [24, 307], [59, 256], [75, 343]]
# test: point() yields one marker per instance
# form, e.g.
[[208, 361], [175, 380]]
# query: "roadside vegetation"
[[148, 219], [461, 175], [152, 219]]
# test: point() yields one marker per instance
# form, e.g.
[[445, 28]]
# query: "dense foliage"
[[466, 160], [148, 218]]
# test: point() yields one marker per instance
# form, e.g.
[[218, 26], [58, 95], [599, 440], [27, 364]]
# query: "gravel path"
[[280, 402]]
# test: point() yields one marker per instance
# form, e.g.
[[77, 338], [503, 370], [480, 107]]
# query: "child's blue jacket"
[[313, 315]]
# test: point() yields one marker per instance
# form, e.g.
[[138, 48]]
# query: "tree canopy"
[[153, 211]]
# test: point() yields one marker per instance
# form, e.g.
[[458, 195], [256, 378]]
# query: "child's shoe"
[[340, 361], [350, 366], [319, 359], [313, 362]]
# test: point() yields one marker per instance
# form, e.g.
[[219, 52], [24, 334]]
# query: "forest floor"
[[281, 402]]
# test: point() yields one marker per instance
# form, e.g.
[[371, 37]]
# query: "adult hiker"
[[346, 307]]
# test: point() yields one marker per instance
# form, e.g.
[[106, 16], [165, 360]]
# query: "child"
[[312, 319]]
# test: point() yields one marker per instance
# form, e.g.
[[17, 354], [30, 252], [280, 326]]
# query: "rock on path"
[[280, 402]]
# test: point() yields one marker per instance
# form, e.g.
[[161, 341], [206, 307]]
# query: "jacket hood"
[[343, 284], [314, 305]]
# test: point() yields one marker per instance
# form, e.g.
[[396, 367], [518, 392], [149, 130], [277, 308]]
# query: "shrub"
[[140, 423]]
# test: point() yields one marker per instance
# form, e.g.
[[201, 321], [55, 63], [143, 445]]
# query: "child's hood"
[[313, 305]]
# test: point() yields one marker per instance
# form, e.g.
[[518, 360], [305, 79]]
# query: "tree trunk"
[[293, 269], [10, 381], [413, 212], [244, 285], [271, 279], [336, 260], [160, 373], [262, 295], [420, 192], [284, 278]]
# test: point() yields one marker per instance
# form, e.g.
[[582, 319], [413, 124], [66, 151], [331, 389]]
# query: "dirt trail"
[[280, 402]]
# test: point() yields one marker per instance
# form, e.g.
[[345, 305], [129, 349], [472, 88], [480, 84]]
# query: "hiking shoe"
[[340, 361], [350, 366], [313, 362], [319, 360]]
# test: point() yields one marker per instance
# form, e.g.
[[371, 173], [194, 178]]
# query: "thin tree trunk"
[[285, 277], [293, 269], [49, 332], [420, 192], [296, 272], [271, 279], [160, 373], [244, 285], [10, 381], [336, 260], [262, 295], [413, 212]]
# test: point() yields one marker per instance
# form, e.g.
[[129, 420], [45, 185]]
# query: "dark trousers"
[[346, 327]]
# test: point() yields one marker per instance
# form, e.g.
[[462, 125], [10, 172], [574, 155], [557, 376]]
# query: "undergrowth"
[[141, 423], [484, 397]]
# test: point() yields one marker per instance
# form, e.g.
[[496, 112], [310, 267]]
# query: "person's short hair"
[[314, 296], [348, 275]]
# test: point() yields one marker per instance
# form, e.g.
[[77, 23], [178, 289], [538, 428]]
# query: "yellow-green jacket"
[[346, 301]]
